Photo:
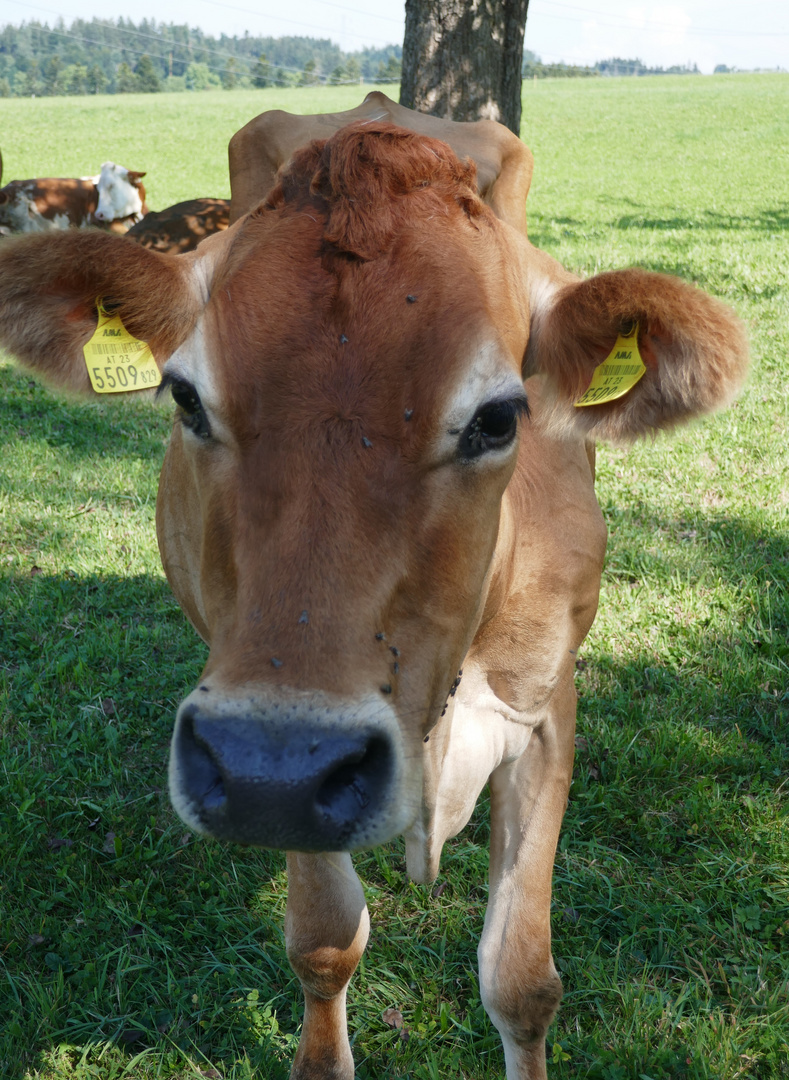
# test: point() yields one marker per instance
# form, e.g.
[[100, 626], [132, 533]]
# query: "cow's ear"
[[49, 288], [693, 349]]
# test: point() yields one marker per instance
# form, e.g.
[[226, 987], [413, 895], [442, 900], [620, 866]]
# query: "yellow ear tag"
[[617, 374], [116, 361]]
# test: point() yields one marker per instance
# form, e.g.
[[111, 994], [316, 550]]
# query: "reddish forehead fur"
[[367, 178], [319, 275]]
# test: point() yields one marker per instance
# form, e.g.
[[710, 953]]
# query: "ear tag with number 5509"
[[618, 373], [118, 362]]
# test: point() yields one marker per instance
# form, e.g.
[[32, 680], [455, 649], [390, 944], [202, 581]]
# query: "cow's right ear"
[[49, 288]]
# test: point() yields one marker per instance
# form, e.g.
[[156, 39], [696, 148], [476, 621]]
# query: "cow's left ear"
[[49, 288], [693, 349]]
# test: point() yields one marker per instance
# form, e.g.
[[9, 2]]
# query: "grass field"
[[130, 949]]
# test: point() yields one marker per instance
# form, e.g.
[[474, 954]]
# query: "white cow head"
[[121, 194]]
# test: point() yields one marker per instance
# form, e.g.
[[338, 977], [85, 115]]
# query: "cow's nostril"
[[205, 782], [214, 798], [350, 787]]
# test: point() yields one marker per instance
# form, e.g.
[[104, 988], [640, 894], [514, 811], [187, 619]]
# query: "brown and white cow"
[[181, 227], [121, 195], [378, 477], [114, 199]]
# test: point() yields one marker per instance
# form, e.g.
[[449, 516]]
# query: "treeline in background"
[[106, 57], [533, 68]]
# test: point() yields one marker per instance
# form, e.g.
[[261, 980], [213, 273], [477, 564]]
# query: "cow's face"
[[120, 193], [328, 514]]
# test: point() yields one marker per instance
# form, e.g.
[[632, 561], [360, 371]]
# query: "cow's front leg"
[[326, 928], [519, 984]]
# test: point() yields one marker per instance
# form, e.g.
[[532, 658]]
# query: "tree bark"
[[462, 59]]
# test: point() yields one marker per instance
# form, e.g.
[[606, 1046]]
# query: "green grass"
[[180, 140], [128, 948]]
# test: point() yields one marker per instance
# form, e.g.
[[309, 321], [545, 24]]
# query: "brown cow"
[[504, 165], [181, 227], [378, 477], [113, 200]]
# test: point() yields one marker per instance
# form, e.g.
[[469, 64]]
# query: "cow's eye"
[[192, 414], [494, 427]]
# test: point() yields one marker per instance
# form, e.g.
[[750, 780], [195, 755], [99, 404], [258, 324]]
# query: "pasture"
[[129, 948]]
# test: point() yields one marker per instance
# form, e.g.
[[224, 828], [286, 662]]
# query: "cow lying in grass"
[[377, 507], [115, 199], [181, 227]]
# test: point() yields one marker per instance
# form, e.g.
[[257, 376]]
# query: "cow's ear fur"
[[694, 348], [49, 285]]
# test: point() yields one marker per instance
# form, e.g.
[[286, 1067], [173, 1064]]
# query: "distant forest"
[[106, 57]]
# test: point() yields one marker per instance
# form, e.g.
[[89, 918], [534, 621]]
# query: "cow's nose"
[[302, 787]]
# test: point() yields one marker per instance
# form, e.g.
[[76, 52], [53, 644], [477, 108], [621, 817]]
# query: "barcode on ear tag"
[[117, 361], [618, 373]]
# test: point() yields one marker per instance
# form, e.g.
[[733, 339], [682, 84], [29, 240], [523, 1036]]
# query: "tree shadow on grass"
[[118, 925], [771, 219], [670, 891], [670, 883]]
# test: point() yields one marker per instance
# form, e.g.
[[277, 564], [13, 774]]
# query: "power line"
[[201, 48], [138, 33], [116, 29], [160, 40], [227, 7], [137, 52], [354, 11], [283, 18], [189, 45], [652, 23]]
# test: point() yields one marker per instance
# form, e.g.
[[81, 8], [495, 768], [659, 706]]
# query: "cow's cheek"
[[178, 532], [194, 523], [437, 614]]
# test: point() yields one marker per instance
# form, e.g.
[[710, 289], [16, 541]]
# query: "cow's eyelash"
[[190, 408], [164, 385]]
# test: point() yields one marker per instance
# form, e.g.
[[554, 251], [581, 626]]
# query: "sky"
[[739, 33]]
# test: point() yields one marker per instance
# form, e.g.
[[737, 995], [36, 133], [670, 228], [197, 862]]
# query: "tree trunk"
[[462, 59]]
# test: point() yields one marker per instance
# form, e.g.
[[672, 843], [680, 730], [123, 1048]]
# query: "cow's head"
[[346, 364], [121, 193]]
